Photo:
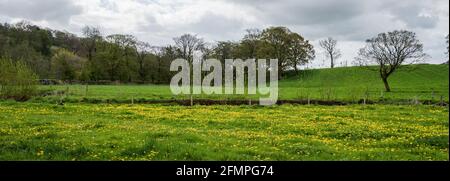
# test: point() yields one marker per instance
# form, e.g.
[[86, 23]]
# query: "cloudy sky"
[[158, 21]]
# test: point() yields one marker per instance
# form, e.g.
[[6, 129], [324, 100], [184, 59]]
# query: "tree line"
[[61, 55]]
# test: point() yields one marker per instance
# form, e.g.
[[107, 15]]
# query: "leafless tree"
[[92, 36], [330, 47], [188, 44], [143, 49], [390, 50]]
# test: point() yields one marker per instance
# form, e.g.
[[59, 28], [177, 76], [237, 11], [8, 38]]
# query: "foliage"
[[17, 81], [290, 48], [123, 58], [67, 66]]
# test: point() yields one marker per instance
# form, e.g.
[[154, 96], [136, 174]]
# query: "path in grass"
[[152, 132]]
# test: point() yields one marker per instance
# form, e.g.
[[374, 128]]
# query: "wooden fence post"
[[415, 100]]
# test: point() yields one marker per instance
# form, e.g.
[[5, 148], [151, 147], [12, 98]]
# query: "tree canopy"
[[61, 55]]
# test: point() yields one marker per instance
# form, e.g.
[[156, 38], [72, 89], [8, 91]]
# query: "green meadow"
[[87, 127], [30, 131], [351, 84]]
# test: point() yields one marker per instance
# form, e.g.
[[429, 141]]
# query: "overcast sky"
[[158, 21]]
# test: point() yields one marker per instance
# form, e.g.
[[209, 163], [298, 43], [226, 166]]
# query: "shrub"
[[17, 81], [67, 66]]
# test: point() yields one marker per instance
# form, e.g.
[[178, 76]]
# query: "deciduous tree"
[[331, 50], [391, 50]]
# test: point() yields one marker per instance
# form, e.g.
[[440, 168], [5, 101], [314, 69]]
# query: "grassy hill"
[[351, 84], [421, 81]]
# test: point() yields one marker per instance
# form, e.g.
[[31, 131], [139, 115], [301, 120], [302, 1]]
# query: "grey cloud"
[[150, 25], [345, 20], [311, 12], [350, 19], [217, 27], [58, 11], [410, 15], [305, 12]]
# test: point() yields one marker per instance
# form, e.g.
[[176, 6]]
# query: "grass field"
[[30, 131], [87, 128], [421, 82]]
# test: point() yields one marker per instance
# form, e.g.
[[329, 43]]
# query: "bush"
[[67, 66], [17, 81]]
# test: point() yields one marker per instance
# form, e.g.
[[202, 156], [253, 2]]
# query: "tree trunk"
[[296, 70], [159, 71], [386, 85], [332, 61], [280, 72], [89, 56]]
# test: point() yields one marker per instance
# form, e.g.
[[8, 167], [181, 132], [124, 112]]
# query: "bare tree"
[[391, 50], [330, 47], [142, 50], [188, 44], [92, 36], [252, 34]]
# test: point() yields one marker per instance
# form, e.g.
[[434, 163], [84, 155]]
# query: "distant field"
[[31, 131], [421, 82]]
